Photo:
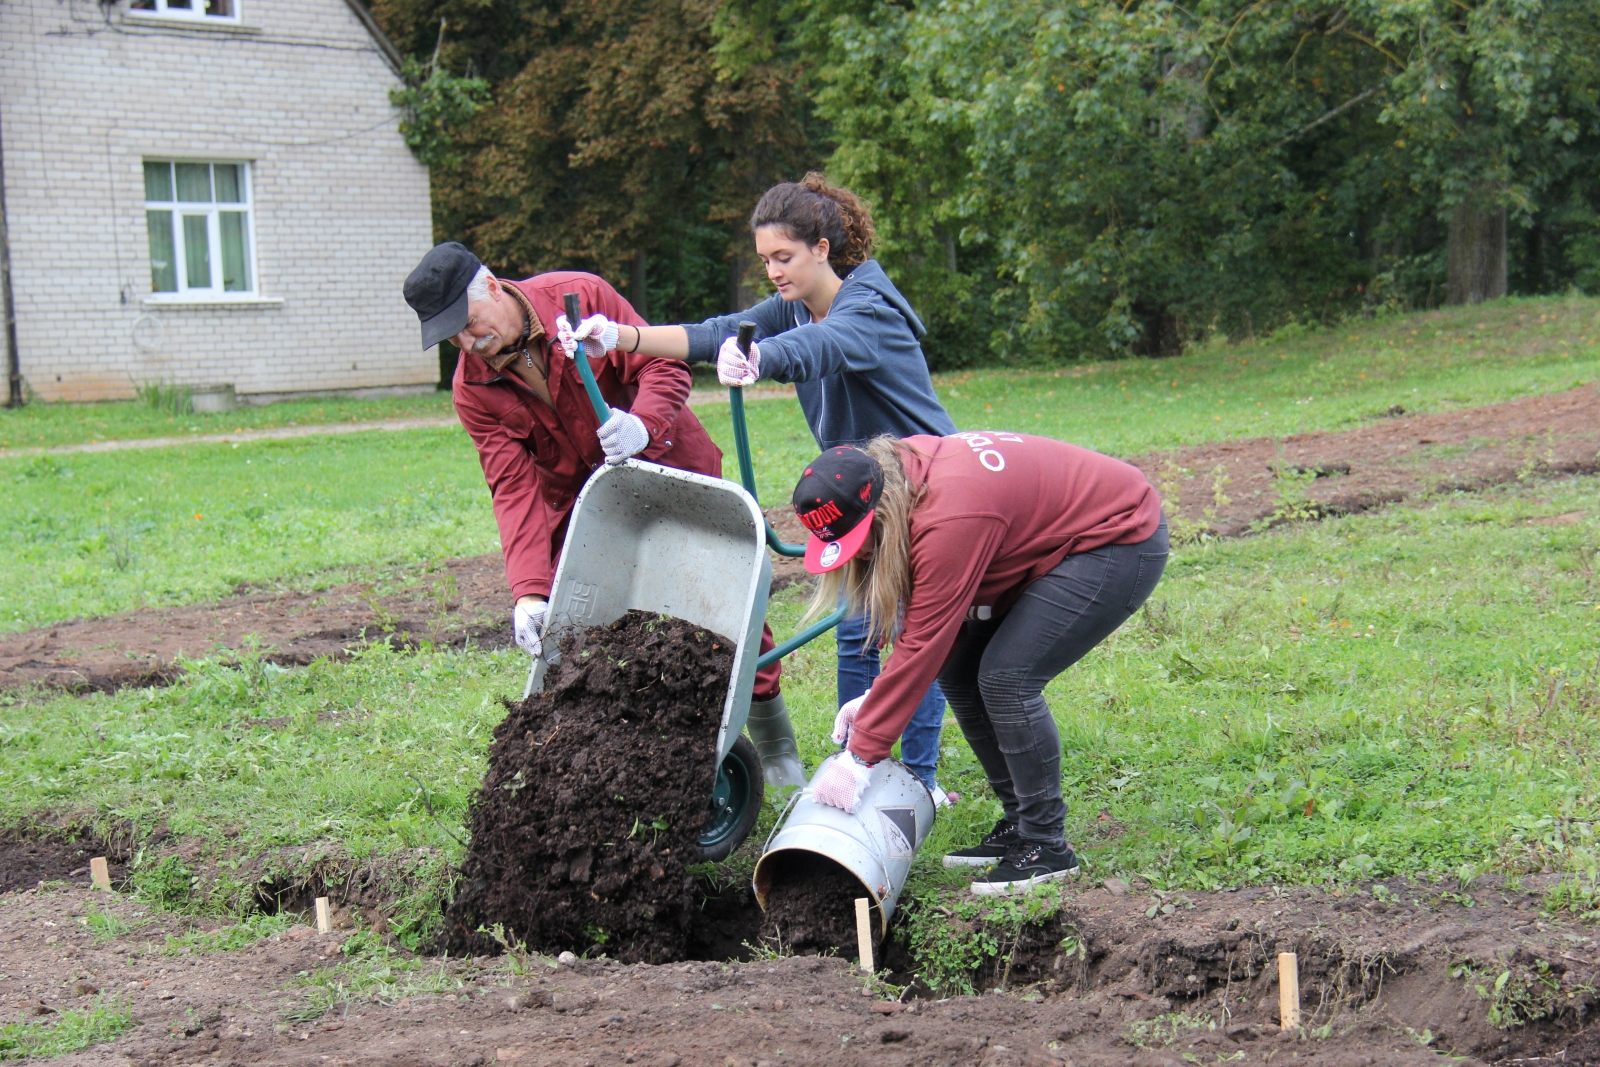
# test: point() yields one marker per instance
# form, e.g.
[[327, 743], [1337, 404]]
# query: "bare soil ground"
[[1394, 982], [1399, 458], [1228, 488]]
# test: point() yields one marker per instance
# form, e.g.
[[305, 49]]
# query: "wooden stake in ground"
[[864, 933], [1288, 991], [324, 918], [100, 873]]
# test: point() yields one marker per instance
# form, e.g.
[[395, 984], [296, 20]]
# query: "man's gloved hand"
[[842, 781], [623, 435], [565, 337], [527, 618], [845, 721], [734, 367]]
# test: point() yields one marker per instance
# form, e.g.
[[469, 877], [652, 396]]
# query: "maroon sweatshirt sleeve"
[[948, 560], [520, 509]]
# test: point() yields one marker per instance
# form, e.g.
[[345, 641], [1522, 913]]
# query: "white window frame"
[[162, 11], [214, 293]]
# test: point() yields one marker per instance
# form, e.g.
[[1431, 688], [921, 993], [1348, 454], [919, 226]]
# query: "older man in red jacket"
[[519, 395]]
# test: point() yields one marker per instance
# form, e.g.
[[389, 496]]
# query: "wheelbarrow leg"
[[773, 734]]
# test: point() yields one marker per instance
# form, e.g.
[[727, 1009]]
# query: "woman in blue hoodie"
[[841, 332]]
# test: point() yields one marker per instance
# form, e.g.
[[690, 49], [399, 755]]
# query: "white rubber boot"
[[770, 729]]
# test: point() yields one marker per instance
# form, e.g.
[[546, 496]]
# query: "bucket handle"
[[767, 845]]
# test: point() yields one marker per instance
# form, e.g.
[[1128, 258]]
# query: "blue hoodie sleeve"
[[771, 316], [851, 338]]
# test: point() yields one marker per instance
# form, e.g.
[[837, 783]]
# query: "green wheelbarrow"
[[651, 538]]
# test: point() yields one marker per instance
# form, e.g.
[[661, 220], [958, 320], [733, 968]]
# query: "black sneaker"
[[1026, 865], [991, 850]]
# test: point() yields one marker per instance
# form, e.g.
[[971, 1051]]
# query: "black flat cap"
[[437, 291]]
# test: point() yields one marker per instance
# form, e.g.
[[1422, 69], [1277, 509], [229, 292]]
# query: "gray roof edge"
[[391, 54]]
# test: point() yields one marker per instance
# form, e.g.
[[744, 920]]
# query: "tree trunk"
[[1477, 250], [638, 287]]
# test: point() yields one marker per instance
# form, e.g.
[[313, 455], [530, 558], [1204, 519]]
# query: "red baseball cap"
[[836, 499]]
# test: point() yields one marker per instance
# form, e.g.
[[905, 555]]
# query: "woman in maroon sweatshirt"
[[996, 561]]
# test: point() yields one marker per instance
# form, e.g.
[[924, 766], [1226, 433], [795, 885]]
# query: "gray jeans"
[[995, 679]]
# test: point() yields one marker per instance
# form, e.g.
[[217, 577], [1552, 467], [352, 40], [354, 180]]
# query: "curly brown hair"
[[811, 210]]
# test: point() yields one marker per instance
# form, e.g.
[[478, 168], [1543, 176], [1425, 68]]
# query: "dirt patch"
[[597, 788], [811, 906], [1385, 981], [1232, 486], [460, 601], [25, 862]]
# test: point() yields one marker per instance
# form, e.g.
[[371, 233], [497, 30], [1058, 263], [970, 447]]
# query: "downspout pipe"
[[14, 397]]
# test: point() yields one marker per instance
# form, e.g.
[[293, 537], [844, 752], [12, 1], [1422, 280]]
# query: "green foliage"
[[106, 926], [436, 107], [372, 972], [1166, 1029], [954, 937], [238, 935], [69, 1031], [169, 884], [168, 398]]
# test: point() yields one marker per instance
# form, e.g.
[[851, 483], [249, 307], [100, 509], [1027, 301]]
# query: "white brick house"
[[208, 192]]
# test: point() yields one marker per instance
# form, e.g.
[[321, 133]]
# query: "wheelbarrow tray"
[[651, 538]]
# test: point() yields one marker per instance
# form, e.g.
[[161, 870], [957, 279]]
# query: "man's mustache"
[[482, 345]]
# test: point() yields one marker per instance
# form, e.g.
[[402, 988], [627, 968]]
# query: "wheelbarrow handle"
[[815, 630], [741, 442], [574, 313]]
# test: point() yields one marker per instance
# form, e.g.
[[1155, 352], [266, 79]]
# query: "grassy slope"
[[1329, 380], [1349, 696], [100, 533], [42, 425]]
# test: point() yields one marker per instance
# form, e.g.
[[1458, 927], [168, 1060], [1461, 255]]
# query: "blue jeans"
[[858, 666]]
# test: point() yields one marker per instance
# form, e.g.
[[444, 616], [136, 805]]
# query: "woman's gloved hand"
[[736, 368], [842, 781], [622, 435], [527, 618], [598, 334], [845, 721]]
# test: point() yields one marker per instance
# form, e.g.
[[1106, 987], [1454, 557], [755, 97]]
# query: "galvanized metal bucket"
[[876, 843]]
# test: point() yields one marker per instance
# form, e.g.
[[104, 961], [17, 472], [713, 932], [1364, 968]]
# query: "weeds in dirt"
[[1522, 994], [1166, 1029], [959, 941], [242, 934], [70, 1031], [372, 972], [168, 883], [1578, 895], [106, 926]]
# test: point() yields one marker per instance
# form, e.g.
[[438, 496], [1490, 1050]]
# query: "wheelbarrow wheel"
[[735, 802]]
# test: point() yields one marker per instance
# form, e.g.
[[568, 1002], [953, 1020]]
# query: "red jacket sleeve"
[[663, 384], [948, 561], [520, 509]]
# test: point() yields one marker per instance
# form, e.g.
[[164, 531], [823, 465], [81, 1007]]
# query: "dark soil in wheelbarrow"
[[597, 789]]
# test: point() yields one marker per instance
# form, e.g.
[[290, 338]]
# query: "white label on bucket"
[[895, 823]]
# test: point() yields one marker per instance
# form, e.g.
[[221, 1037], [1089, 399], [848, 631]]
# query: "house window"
[[217, 9], [198, 215]]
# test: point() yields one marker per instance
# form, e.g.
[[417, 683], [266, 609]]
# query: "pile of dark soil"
[[811, 906], [596, 792]]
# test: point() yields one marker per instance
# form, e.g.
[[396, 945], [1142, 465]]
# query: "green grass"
[[371, 973], [70, 1031], [101, 533], [49, 425], [1326, 380], [1411, 691]]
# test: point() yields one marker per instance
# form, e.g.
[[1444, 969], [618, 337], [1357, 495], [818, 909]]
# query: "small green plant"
[[1517, 995], [953, 939], [1577, 894], [228, 938], [170, 884], [1163, 1030], [106, 926], [168, 397], [70, 1031], [372, 972]]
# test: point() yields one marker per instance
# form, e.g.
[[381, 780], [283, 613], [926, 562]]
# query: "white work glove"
[[622, 435], [565, 337], [846, 719], [842, 781], [526, 621], [598, 334], [734, 367]]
